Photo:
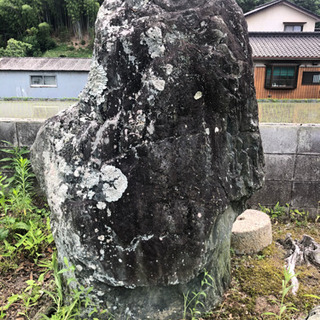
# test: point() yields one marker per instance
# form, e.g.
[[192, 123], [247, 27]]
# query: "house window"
[[311, 78], [43, 81], [281, 77], [293, 27]]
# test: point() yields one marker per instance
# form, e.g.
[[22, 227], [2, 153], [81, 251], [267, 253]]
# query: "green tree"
[[16, 48], [91, 8], [44, 39], [29, 16], [23, 20], [82, 14], [312, 5], [11, 18], [248, 5], [74, 9], [55, 13]]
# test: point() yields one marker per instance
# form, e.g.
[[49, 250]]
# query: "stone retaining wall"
[[292, 154]]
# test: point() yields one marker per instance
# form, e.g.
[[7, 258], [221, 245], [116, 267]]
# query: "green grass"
[[289, 112], [65, 50]]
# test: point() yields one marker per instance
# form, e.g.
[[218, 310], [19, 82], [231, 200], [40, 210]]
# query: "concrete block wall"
[[19, 133], [292, 156]]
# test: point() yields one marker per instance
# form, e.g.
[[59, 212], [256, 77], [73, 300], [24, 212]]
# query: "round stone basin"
[[251, 232]]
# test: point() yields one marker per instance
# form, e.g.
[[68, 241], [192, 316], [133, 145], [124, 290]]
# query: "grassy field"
[[289, 112], [269, 112], [32, 109], [67, 50]]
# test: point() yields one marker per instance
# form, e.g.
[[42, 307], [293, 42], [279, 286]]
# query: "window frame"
[[42, 84], [268, 82], [293, 24], [305, 80]]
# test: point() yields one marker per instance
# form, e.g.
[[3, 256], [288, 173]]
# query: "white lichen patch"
[[101, 205], [127, 49], [57, 189], [151, 128], [111, 122], [158, 84], [97, 83], [79, 267], [101, 238], [91, 194], [115, 183], [154, 40], [169, 69], [90, 178], [153, 83]]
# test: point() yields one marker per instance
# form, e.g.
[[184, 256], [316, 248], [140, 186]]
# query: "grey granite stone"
[[146, 174]]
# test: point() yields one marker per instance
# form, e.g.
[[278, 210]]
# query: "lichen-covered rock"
[[146, 174]]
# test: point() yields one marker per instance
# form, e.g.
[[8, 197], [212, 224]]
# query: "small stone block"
[[251, 232], [314, 314]]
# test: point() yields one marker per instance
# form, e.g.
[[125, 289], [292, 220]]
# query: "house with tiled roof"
[[285, 51], [281, 15], [43, 77]]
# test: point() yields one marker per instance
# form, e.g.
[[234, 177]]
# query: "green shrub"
[[44, 38], [15, 48]]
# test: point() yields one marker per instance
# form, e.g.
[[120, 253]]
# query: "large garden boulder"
[[146, 174]]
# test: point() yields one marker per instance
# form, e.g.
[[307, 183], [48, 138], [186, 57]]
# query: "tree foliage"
[[32, 21], [248, 5], [15, 48], [311, 5]]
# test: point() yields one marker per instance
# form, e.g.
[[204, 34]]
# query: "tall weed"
[[21, 183]]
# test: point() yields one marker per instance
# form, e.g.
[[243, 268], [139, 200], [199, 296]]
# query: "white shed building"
[[45, 78]]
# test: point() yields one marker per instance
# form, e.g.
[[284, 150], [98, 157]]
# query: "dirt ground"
[[255, 287], [257, 281]]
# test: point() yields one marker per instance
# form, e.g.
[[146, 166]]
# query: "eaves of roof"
[[45, 64], [288, 3]]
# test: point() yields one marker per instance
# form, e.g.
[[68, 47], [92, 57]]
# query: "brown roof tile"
[[45, 64], [290, 45]]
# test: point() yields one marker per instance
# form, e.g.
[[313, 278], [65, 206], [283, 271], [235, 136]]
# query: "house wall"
[[301, 92], [17, 84], [271, 19]]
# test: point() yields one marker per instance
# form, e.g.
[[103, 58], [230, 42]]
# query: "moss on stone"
[[257, 280]]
